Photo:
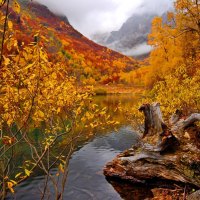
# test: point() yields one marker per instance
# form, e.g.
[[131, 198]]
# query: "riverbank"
[[112, 89], [117, 89], [167, 157]]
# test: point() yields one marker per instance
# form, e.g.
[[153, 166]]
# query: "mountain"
[[131, 38], [89, 62]]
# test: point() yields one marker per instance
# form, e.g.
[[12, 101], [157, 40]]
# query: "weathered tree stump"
[[163, 154], [154, 123], [162, 137]]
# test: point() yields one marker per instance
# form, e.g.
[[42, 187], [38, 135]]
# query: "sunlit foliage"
[[41, 108], [172, 75], [178, 91]]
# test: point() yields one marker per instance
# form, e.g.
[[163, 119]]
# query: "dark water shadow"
[[129, 191]]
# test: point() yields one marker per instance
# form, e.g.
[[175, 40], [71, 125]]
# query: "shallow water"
[[85, 180]]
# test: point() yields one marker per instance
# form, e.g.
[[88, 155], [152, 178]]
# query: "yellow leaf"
[[27, 172], [14, 182], [10, 25], [2, 18], [30, 65], [10, 186], [57, 174], [36, 35], [54, 75], [103, 113], [17, 175], [6, 61], [58, 110], [60, 167], [2, 1], [41, 114], [16, 6]]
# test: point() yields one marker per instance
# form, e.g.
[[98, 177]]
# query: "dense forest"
[[47, 74], [172, 74]]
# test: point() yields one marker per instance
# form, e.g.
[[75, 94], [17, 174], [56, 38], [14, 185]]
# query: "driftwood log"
[[168, 153]]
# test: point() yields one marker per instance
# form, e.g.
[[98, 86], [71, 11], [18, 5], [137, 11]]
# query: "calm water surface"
[[85, 179]]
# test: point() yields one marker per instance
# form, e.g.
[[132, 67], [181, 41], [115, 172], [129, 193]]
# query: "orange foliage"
[[176, 43], [67, 45]]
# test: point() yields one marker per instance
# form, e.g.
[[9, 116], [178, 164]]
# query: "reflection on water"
[[85, 179], [131, 192], [111, 102]]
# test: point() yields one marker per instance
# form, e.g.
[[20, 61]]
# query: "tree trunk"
[[153, 118], [161, 136]]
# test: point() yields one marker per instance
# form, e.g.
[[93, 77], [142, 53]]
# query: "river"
[[85, 179]]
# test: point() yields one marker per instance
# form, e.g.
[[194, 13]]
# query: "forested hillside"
[[172, 72], [88, 62], [43, 62]]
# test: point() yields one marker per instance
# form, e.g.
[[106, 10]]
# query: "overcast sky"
[[92, 16]]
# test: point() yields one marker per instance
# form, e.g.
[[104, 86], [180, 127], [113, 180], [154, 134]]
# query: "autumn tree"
[[40, 109], [175, 60], [175, 42]]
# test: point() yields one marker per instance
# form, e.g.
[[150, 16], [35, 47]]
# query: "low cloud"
[[155, 6], [138, 50], [92, 16]]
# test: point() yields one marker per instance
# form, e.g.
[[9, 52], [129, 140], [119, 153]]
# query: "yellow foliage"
[[173, 75], [16, 6], [37, 93], [10, 25], [10, 186], [27, 172], [178, 91], [176, 42]]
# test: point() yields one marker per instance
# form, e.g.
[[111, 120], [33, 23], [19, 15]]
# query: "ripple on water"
[[85, 179]]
